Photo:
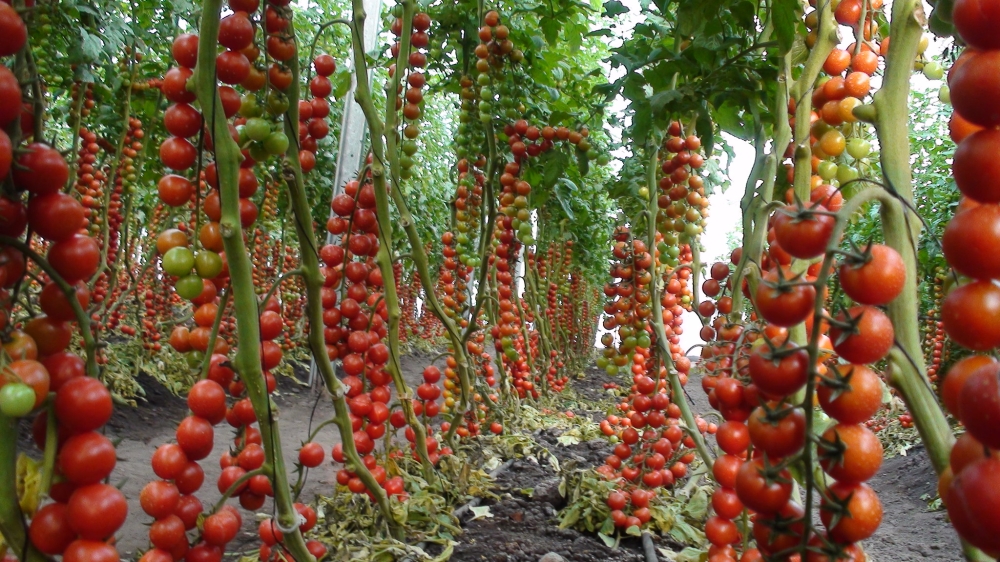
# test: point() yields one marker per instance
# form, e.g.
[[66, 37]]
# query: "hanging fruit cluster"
[[969, 310]]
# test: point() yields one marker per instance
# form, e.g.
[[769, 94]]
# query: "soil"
[[523, 526]]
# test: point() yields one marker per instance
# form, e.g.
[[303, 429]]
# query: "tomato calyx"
[[831, 452], [846, 325], [838, 507], [839, 382], [784, 284]]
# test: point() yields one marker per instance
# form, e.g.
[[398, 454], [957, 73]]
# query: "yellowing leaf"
[[29, 480]]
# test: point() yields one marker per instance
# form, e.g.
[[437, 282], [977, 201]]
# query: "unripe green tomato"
[[208, 264], [944, 94], [257, 129], [528, 240], [258, 152], [409, 147], [858, 148], [511, 113], [277, 103], [846, 173], [241, 135], [405, 173], [602, 363], [16, 400], [194, 358], [644, 193], [276, 143], [827, 169], [189, 287], [643, 341], [592, 153], [178, 261], [603, 159], [249, 106], [933, 70]]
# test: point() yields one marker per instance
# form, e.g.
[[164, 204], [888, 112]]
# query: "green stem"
[[206, 362], [247, 361], [12, 525]]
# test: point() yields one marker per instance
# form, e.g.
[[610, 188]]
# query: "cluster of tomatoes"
[[969, 311], [682, 192], [410, 102], [172, 501]]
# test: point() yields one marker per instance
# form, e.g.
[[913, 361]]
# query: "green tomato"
[[602, 159], [178, 261], [846, 173], [189, 287], [193, 358], [933, 70], [612, 370], [827, 169], [208, 264], [602, 362], [409, 147], [944, 94], [258, 152], [241, 135], [644, 193], [16, 400], [249, 107], [277, 103], [858, 148], [643, 341], [257, 129]]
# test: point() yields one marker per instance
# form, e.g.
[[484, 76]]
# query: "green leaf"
[[565, 201], [614, 8], [90, 45], [785, 15], [706, 130]]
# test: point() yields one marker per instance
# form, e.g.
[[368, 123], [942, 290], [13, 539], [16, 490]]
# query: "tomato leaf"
[[785, 16]]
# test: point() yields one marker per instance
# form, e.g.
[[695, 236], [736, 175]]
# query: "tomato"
[[856, 399], [860, 515], [159, 499], [50, 529], [726, 503], [251, 457], [188, 509], [16, 400], [21, 346], [324, 64], [866, 337], [169, 239], [196, 437], [975, 88], [168, 461], [97, 511], [220, 528], [174, 86], [721, 531], [311, 455], [167, 533], [236, 31], [185, 50], [761, 491], [232, 67], [203, 552], [951, 386], [973, 504], [975, 166], [178, 261], [177, 153], [733, 437], [781, 532], [968, 241], [970, 313], [979, 404], [877, 279], [182, 120], [13, 213], [784, 299], [51, 336], [75, 258], [207, 399], [87, 458], [190, 478], [55, 216], [780, 372], [54, 303], [40, 169], [83, 550], [31, 373], [13, 32], [850, 453], [777, 435], [83, 404]]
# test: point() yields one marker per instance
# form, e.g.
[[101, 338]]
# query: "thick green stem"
[[247, 361], [313, 279]]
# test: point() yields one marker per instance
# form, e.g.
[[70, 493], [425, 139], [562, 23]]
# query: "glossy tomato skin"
[[876, 281], [971, 315], [804, 234], [979, 404], [976, 21], [975, 88], [55, 216], [973, 503], [850, 453], [976, 168], [970, 240], [760, 493], [954, 380], [76, 258], [83, 404], [857, 403], [90, 551], [97, 511], [786, 377], [50, 529], [777, 438], [87, 458], [870, 338], [782, 299], [864, 509]]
